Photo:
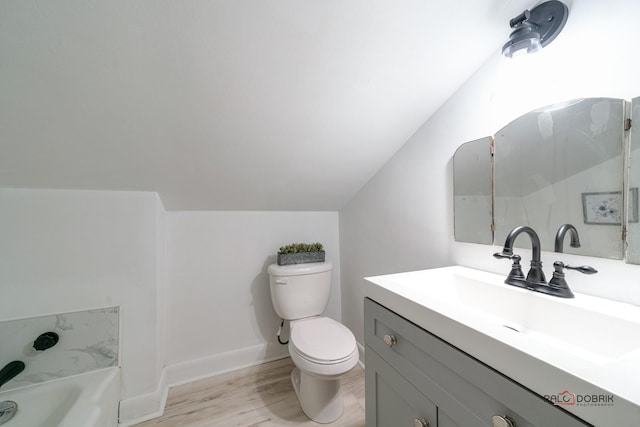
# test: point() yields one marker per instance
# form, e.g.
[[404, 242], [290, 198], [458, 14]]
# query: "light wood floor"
[[259, 396]]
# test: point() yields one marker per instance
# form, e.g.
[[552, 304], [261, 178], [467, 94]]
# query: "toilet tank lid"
[[299, 269]]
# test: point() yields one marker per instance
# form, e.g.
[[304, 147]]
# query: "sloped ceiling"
[[228, 104]]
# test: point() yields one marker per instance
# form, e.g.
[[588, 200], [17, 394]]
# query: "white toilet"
[[321, 348]]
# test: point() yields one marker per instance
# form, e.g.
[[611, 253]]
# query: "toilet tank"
[[300, 290]]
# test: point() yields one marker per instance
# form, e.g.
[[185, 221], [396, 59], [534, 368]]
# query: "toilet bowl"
[[321, 348]]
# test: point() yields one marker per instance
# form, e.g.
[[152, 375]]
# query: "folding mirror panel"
[[633, 226], [472, 177], [562, 164]]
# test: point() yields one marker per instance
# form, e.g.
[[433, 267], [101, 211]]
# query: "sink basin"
[[575, 326], [586, 344]]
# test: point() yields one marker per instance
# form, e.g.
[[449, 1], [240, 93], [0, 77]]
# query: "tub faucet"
[[535, 278], [562, 231], [10, 371]]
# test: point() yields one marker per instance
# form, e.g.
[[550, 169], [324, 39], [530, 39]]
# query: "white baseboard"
[[145, 406], [193, 370], [151, 405]]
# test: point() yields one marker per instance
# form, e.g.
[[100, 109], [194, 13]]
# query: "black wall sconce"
[[534, 29]]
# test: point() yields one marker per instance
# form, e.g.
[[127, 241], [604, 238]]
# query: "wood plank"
[[259, 396]]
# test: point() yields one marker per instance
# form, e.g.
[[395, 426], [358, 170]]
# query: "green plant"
[[301, 247]]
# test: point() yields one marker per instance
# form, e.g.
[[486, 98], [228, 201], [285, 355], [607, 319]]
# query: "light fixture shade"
[[522, 45], [534, 29]]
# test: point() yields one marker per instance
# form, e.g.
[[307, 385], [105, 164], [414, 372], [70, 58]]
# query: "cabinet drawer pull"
[[390, 340], [420, 422], [502, 421]]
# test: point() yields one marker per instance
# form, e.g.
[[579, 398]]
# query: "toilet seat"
[[322, 340], [322, 347]]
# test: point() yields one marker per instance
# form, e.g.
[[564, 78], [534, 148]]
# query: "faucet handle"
[[584, 269], [558, 282], [516, 273], [504, 255]]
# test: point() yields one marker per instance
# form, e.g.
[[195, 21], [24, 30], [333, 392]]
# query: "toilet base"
[[320, 399]]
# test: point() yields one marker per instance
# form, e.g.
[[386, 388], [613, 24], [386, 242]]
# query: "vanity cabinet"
[[414, 378]]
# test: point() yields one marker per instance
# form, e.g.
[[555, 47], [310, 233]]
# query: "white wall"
[[192, 286], [402, 219], [220, 314], [161, 295], [63, 251]]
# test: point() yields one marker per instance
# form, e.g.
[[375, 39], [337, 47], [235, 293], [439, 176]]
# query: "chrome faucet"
[[10, 371], [562, 231], [535, 276]]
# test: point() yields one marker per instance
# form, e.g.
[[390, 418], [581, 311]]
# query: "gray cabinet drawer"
[[398, 402], [452, 378]]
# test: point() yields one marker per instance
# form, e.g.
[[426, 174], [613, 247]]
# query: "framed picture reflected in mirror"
[[605, 208]]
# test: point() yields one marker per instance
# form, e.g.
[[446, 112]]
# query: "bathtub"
[[87, 400]]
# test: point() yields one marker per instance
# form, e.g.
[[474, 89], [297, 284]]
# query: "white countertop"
[[607, 364]]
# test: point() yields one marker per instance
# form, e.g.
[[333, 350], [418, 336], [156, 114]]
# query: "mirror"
[[472, 192], [563, 164], [633, 226], [552, 166]]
